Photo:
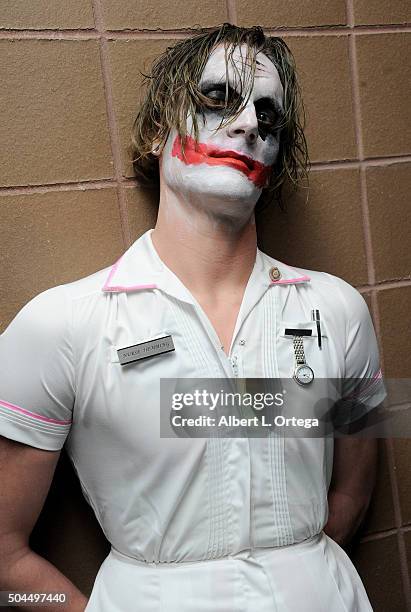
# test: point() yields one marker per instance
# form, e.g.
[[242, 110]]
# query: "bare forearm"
[[345, 515], [351, 487], [31, 573]]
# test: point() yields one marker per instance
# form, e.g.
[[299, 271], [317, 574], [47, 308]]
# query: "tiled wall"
[[69, 204]]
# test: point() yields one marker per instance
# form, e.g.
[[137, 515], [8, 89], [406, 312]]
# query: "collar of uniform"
[[140, 268], [286, 274], [261, 280]]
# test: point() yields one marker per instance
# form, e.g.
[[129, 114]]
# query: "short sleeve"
[[37, 374], [363, 388]]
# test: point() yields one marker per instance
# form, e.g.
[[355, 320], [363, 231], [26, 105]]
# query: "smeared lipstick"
[[254, 170]]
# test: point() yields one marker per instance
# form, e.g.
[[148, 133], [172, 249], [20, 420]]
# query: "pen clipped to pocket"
[[315, 315]]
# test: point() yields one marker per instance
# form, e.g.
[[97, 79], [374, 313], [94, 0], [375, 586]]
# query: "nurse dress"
[[195, 524]]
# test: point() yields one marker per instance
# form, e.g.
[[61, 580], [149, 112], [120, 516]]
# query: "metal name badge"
[[298, 332], [144, 350]]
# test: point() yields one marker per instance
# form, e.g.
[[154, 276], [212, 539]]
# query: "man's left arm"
[[352, 484]]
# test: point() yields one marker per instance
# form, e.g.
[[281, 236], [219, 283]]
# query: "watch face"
[[303, 374]]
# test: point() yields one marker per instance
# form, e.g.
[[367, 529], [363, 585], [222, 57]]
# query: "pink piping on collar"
[[129, 288], [40, 417], [288, 281], [108, 287], [112, 270]]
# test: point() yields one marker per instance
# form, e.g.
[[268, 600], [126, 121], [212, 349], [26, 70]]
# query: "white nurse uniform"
[[195, 525]]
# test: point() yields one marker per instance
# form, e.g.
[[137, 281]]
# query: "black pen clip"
[[316, 317]]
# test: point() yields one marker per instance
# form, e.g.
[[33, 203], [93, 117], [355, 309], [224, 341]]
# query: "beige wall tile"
[[373, 12], [388, 198], [402, 449], [54, 125], [323, 68], [127, 59], [271, 14], [385, 90], [54, 238], [395, 308], [379, 566], [142, 206], [323, 234], [41, 14], [162, 15]]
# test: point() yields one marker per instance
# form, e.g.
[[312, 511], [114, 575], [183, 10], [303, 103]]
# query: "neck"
[[211, 256]]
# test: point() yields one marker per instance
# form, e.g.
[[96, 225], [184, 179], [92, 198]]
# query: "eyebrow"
[[265, 100]]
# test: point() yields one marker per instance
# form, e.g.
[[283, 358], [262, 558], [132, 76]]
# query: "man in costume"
[[198, 524]]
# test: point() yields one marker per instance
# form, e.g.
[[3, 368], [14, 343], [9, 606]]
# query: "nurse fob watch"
[[303, 374]]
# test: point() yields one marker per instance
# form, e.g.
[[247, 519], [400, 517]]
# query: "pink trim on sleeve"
[[32, 414], [364, 390]]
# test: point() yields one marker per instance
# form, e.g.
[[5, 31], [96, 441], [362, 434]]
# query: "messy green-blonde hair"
[[173, 94]]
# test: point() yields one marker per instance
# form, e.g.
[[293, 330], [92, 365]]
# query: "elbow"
[[13, 548]]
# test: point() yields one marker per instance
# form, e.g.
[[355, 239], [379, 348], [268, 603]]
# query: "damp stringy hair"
[[173, 94]]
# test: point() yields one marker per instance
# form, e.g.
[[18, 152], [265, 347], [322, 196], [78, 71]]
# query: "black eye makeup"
[[268, 111], [216, 93], [270, 116]]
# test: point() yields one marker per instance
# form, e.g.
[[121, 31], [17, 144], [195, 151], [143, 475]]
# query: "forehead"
[[266, 80]]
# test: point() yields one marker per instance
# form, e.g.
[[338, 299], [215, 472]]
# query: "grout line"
[[377, 324], [380, 535], [381, 28], [148, 34], [92, 34], [368, 162], [49, 34], [383, 285], [356, 101], [349, 9], [394, 484], [130, 181], [396, 408], [232, 11], [366, 226], [44, 188], [402, 553], [314, 31], [112, 122]]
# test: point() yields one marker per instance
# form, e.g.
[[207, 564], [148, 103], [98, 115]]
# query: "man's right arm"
[[26, 474]]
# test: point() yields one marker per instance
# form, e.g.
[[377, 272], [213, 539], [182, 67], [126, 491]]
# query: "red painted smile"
[[254, 170]]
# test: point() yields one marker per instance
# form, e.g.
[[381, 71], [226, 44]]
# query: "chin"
[[227, 185]]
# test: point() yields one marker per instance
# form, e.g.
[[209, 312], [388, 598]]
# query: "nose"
[[245, 125]]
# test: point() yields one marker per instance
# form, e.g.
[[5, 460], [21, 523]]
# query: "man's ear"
[[156, 147]]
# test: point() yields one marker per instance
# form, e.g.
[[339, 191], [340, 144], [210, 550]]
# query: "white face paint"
[[226, 177]]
